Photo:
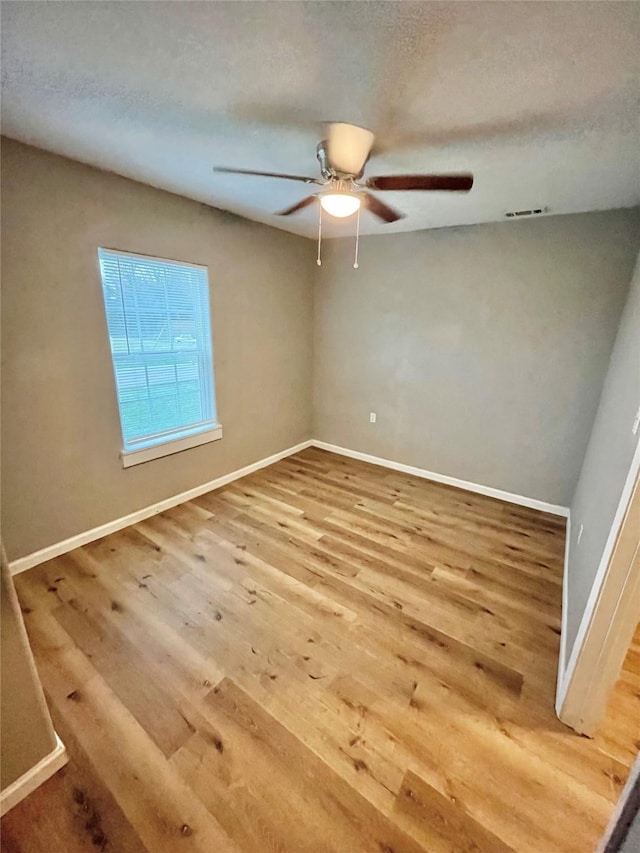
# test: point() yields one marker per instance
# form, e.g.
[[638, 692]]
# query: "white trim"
[[565, 606], [142, 256], [58, 548], [594, 595], [146, 454], [33, 778], [489, 491]]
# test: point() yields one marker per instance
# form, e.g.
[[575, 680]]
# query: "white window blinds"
[[160, 333]]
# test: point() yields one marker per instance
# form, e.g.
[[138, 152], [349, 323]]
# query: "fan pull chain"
[[355, 261], [319, 261]]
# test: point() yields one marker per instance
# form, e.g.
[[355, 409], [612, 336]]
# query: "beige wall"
[[26, 733], [61, 472], [606, 463], [482, 350]]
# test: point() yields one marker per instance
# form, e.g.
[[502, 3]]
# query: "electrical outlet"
[[636, 422], [372, 417], [580, 533]]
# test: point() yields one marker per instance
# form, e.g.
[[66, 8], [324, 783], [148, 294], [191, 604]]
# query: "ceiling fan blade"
[[380, 209], [296, 207], [348, 147], [229, 171], [452, 183]]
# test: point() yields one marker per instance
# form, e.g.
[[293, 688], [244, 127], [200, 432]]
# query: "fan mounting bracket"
[[327, 171]]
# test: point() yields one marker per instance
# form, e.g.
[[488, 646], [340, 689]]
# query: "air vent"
[[535, 212]]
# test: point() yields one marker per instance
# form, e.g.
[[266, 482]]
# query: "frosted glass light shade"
[[340, 204]]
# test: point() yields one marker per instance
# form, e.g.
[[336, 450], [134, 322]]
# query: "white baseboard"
[[490, 492], [33, 778], [58, 548]]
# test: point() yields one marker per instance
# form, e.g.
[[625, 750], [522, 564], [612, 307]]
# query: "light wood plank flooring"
[[323, 656]]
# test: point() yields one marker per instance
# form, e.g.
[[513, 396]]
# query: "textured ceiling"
[[538, 100]]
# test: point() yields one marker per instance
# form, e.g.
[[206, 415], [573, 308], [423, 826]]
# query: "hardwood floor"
[[323, 656]]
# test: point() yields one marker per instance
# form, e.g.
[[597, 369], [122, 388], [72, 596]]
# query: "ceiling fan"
[[343, 156]]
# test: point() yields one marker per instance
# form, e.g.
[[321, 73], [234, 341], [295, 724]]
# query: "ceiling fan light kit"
[[340, 204], [343, 156]]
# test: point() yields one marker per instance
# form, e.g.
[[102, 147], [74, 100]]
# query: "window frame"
[[171, 441]]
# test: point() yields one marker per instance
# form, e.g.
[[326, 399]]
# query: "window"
[[160, 335]]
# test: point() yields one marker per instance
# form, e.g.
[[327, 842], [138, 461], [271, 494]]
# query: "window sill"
[[146, 454]]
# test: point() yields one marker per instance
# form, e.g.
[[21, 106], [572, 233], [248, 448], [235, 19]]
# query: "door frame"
[[610, 618], [627, 807]]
